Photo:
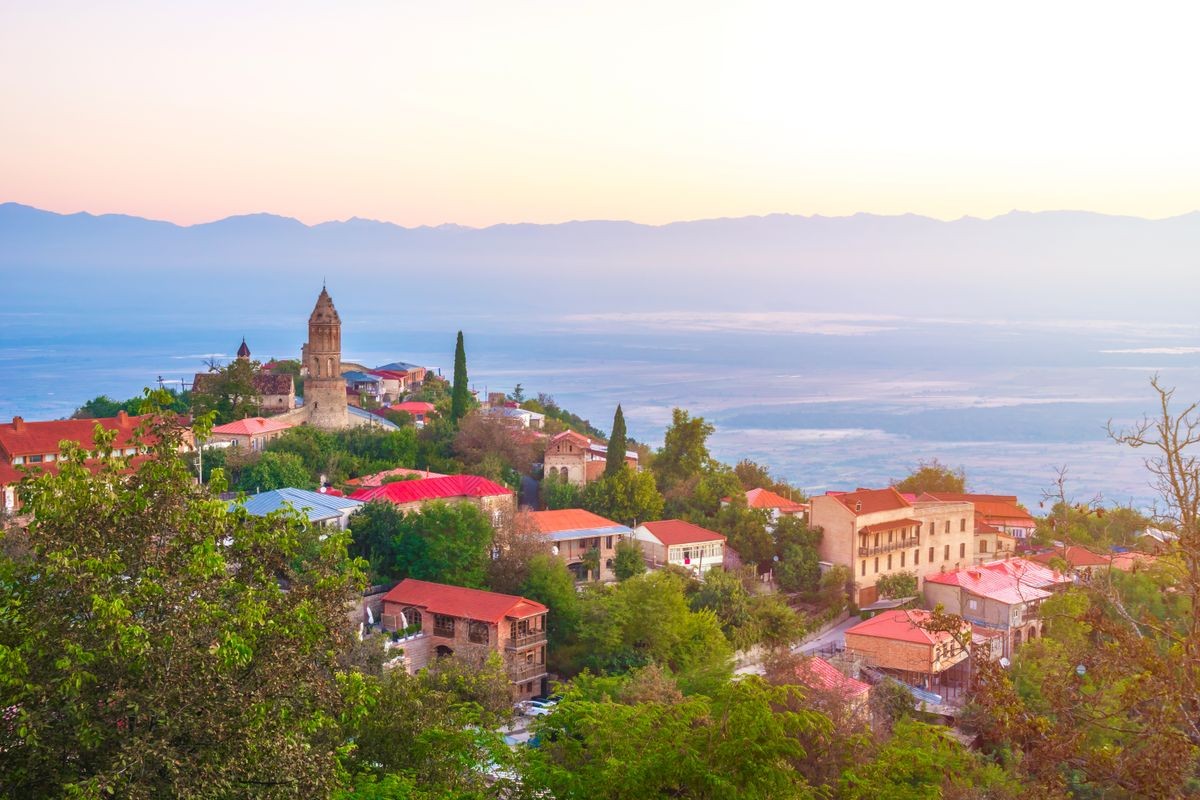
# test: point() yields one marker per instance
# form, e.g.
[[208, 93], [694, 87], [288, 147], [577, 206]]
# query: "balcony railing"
[[899, 544], [523, 672], [525, 639]]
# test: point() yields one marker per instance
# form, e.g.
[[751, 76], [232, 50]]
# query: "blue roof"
[[361, 377], [385, 424], [315, 505], [581, 533], [400, 366]]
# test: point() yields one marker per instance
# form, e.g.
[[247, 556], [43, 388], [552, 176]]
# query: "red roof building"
[[818, 674], [572, 533], [578, 459], [437, 620], [998, 510], [682, 544], [251, 433], [378, 478], [899, 642], [488, 495]]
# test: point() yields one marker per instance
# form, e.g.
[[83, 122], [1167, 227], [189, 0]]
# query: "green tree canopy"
[[617, 444], [557, 492], [149, 647], [897, 585], [684, 453], [275, 471], [629, 560], [229, 392], [445, 543], [627, 496], [549, 582], [933, 476], [460, 397]]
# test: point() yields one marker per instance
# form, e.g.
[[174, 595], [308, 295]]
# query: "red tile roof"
[[377, 479], [871, 501], [1075, 556], [21, 438], [413, 407], [444, 488], [676, 531], [817, 673], [890, 526], [901, 625], [990, 506], [573, 436], [765, 498], [569, 519], [457, 601], [252, 426], [1009, 582]]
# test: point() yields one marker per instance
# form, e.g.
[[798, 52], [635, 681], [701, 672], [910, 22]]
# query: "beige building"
[[572, 534], [579, 460], [877, 532], [680, 544], [435, 620]]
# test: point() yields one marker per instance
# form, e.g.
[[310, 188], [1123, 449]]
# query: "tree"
[[897, 585], [735, 742], [460, 397], [796, 546], [229, 392], [627, 496], [549, 582], [755, 476], [557, 492], [444, 543], [516, 542], [275, 471], [891, 701], [481, 436], [518, 394], [156, 644], [373, 531], [933, 476], [834, 587], [628, 560], [617, 445], [746, 531], [684, 453]]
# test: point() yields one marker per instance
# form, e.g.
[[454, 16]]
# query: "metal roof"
[[314, 505]]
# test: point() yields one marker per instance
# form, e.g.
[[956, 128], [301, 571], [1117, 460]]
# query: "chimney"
[[974, 573], [19, 424], [858, 505], [122, 418]]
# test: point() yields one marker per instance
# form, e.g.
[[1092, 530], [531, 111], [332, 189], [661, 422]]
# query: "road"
[[835, 635]]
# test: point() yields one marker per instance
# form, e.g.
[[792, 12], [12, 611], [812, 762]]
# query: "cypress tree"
[[617, 444], [460, 394]]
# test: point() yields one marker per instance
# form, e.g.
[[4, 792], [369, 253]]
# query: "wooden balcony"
[[891, 547], [525, 640], [524, 672]]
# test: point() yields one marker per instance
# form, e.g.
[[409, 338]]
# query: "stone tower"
[[325, 388]]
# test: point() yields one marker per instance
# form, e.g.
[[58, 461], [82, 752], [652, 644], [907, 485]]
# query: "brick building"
[[438, 620], [492, 498], [896, 642], [572, 533], [578, 459]]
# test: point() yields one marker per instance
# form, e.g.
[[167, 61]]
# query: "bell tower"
[[325, 388]]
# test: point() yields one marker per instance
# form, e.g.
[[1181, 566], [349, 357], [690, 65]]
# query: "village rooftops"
[[574, 523], [444, 488], [378, 478], [675, 532], [21, 438], [413, 407], [990, 506], [1009, 582], [901, 625], [589, 444], [251, 426], [817, 673], [397, 366], [871, 501], [457, 601], [316, 506], [765, 498], [1081, 558]]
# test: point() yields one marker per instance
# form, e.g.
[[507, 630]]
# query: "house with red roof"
[[826, 680], [774, 504], [1005, 596], [420, 411], [489, 496], [1085, 563], [36, 446], [879, 532], [899, 643], [680, 544], [391, 476], [436, 620], [579, 459], [250, 434], [572, 535]]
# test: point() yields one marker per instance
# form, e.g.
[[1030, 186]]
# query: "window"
[[877, 563], [889, 560], [901, 559], [443, 625], [477, 632], [946, 553], [35, 459], [931, 555], [608, 542], [916, 557], [19, 460], [412, 618], [877, 540], [983, 545], [890, 535], [947, 526], [962, 524], [864, 567], [973, 604], [962, 550], [50, 456]]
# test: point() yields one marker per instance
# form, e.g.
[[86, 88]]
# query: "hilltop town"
[[507, 546]]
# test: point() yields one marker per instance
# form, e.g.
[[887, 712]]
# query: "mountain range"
[[1064, 265]]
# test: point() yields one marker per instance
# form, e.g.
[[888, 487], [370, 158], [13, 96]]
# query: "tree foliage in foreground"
[[154, 644]]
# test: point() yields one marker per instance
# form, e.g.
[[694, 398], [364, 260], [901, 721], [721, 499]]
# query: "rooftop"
[[573, 523], [902, 625], [377, 478], [442, 488], [1010, 582], [765, 498], [817, 673], [871, 501], [317, 506], [457, 601], [251, 426], [676, 531], [21, 438]]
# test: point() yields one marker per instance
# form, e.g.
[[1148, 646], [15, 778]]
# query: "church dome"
[[324, 312], [244, 350]]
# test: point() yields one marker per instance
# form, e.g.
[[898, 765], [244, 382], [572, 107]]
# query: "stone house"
[[437, 620], [896, 642], [251, 434], [572, 533], [578, 459], [878, 532], [1000, 511]]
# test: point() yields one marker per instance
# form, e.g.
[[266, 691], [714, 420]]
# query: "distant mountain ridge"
[[1068, 264]]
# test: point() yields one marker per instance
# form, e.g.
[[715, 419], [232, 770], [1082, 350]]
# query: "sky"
[[476, 114]]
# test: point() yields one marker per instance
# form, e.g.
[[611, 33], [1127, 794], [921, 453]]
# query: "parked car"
[[536, 708]]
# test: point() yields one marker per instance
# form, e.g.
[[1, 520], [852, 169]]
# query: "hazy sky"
[[423, 113]]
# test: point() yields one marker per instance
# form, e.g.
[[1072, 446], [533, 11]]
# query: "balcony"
[[899, 544], [523, 672], [525, 640]]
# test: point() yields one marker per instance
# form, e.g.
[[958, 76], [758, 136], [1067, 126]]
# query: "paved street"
[[835, 635]]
